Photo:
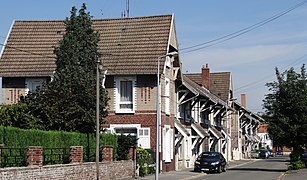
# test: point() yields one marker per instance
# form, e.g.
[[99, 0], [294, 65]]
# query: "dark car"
[[210, 161], [264, 154], [280, 153], [271, 153]]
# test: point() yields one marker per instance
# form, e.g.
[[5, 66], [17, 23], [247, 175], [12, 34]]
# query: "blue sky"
[[251, 57]]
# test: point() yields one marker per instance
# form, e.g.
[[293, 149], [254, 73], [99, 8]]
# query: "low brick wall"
[[108, 170]]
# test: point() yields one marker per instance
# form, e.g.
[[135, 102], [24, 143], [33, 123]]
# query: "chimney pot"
[[205, 76], [243, 100]]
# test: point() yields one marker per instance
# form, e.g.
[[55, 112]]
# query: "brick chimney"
[[205, 77], [243, 100]]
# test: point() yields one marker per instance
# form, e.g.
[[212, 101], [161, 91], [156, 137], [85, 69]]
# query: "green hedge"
[[13, 137]]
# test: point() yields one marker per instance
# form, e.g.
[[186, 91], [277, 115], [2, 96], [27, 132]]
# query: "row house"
[[246, 126], [197, 111]]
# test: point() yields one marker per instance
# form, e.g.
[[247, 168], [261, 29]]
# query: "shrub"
[[296, 165], [13, 137], [144, 159]]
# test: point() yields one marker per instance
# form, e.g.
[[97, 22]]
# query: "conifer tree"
[[68, 102]]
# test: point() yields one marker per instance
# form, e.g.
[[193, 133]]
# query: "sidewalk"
[[187, 174], [295, 175]]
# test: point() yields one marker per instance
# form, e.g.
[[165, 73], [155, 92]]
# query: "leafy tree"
[[68, 102], [286, 110], [16, 115]]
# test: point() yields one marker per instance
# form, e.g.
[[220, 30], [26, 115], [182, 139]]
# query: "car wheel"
[[196, 170], [224, 169], [219, 169]]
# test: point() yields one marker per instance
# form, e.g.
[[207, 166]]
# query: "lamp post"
[[158, 104], [98, 68], [250, 144], [227, 127]]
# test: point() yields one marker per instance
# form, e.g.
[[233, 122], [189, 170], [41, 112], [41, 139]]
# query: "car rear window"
[[210, 155]]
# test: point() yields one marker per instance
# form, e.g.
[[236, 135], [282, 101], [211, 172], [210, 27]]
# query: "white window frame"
[[30, 82], [167, 96], [117, 94]]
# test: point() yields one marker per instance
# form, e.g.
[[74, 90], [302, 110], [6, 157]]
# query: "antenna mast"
[[127, 7], [125, 13]]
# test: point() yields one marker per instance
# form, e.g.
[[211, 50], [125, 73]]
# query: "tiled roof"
[[129, 45], [219, 83], [201, 90]]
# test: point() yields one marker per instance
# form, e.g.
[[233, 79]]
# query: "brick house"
[[131, 48]]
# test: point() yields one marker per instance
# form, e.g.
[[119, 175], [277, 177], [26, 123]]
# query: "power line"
[[255, 84], [240, 32], [29, 52]]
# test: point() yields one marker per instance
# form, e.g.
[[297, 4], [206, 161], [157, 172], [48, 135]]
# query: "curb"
[[193, 177]]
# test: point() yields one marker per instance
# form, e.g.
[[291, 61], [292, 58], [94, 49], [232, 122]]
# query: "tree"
[[68, 102], [286, 109]]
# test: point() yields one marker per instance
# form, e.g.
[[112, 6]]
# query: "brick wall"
[[108, 170]]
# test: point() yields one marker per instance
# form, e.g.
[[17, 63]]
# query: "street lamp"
[[227, 127], [98, 68], [158, 104]]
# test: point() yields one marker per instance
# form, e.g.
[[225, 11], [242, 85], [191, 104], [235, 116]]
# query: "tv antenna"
[[125, 13]]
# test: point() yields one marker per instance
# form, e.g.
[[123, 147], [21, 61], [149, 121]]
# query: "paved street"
[[264, 169]]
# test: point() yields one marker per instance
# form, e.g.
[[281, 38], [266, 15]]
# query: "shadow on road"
[[277, 160], [257, 169]]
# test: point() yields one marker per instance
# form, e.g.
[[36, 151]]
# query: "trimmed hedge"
[[13, 137]]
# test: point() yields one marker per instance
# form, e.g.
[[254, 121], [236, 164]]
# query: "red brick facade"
[[146, 119]]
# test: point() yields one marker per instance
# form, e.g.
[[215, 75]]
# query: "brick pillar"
[[132, 153], [35, 156], [107, 153], [76, 154]]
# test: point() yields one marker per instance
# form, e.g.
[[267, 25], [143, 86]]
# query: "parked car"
[[264, 154], [271, 154], [210, 161], [255, 154], [280, 153]]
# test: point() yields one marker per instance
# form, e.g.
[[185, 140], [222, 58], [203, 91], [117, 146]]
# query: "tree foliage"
[[286, 109], [68, 102], [17, 115]]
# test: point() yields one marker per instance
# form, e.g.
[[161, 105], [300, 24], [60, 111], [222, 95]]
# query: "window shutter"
[[164, 144], [172, 143], [144, 138]]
